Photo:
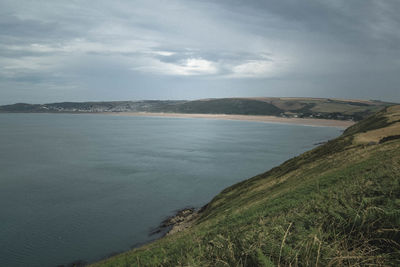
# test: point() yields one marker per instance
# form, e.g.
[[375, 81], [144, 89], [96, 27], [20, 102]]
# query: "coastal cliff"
[[338, 204]]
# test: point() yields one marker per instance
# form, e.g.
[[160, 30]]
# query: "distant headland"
[[308, 111]]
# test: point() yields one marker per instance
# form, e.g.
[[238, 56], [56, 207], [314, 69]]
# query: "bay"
[[83, 186]]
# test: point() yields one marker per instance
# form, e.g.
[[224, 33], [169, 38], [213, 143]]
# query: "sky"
[[53, 51]]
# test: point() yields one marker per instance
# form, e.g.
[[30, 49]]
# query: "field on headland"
[[336, 205]]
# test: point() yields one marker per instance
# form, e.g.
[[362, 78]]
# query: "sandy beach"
[[258, 118]]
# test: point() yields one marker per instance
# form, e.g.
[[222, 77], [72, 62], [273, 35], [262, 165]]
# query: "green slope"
[[229, 106], [338, 204]]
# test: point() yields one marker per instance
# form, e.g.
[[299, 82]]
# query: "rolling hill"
[[336, 205], [323, 108]]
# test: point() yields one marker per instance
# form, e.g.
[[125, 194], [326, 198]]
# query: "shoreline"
[[178, 221], [236, 117], [254, 118]]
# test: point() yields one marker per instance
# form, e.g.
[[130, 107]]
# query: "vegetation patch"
[[389, 138]]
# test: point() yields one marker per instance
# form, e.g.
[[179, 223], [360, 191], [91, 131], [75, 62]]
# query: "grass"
[[229, 106], [346, 108], [336, 205]]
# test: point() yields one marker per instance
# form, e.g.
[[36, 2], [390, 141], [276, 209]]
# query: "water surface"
[[84, 186]]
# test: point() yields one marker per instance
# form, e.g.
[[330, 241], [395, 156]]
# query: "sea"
[[82, 187]]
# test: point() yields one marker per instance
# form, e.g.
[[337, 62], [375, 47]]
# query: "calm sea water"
[[84, 186]]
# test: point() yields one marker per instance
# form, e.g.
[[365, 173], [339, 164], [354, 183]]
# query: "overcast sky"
[[54, 51]]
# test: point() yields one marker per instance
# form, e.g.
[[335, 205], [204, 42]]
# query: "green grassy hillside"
[[240, 106], [338, 204], [327, 108]]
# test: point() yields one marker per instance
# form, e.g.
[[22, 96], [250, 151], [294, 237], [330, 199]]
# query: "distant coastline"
[[257, 118], [307, 111]]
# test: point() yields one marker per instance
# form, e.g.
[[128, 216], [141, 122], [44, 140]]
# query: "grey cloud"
[[13, 29], [72, 50], [12, 53]]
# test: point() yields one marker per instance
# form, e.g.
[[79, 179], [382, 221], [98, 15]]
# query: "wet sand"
[[258, 118]]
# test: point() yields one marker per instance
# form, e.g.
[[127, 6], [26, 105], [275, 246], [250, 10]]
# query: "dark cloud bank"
[[126, 50]]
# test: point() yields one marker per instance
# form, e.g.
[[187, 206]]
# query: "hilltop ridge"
[[338, 204], [323, 108]]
